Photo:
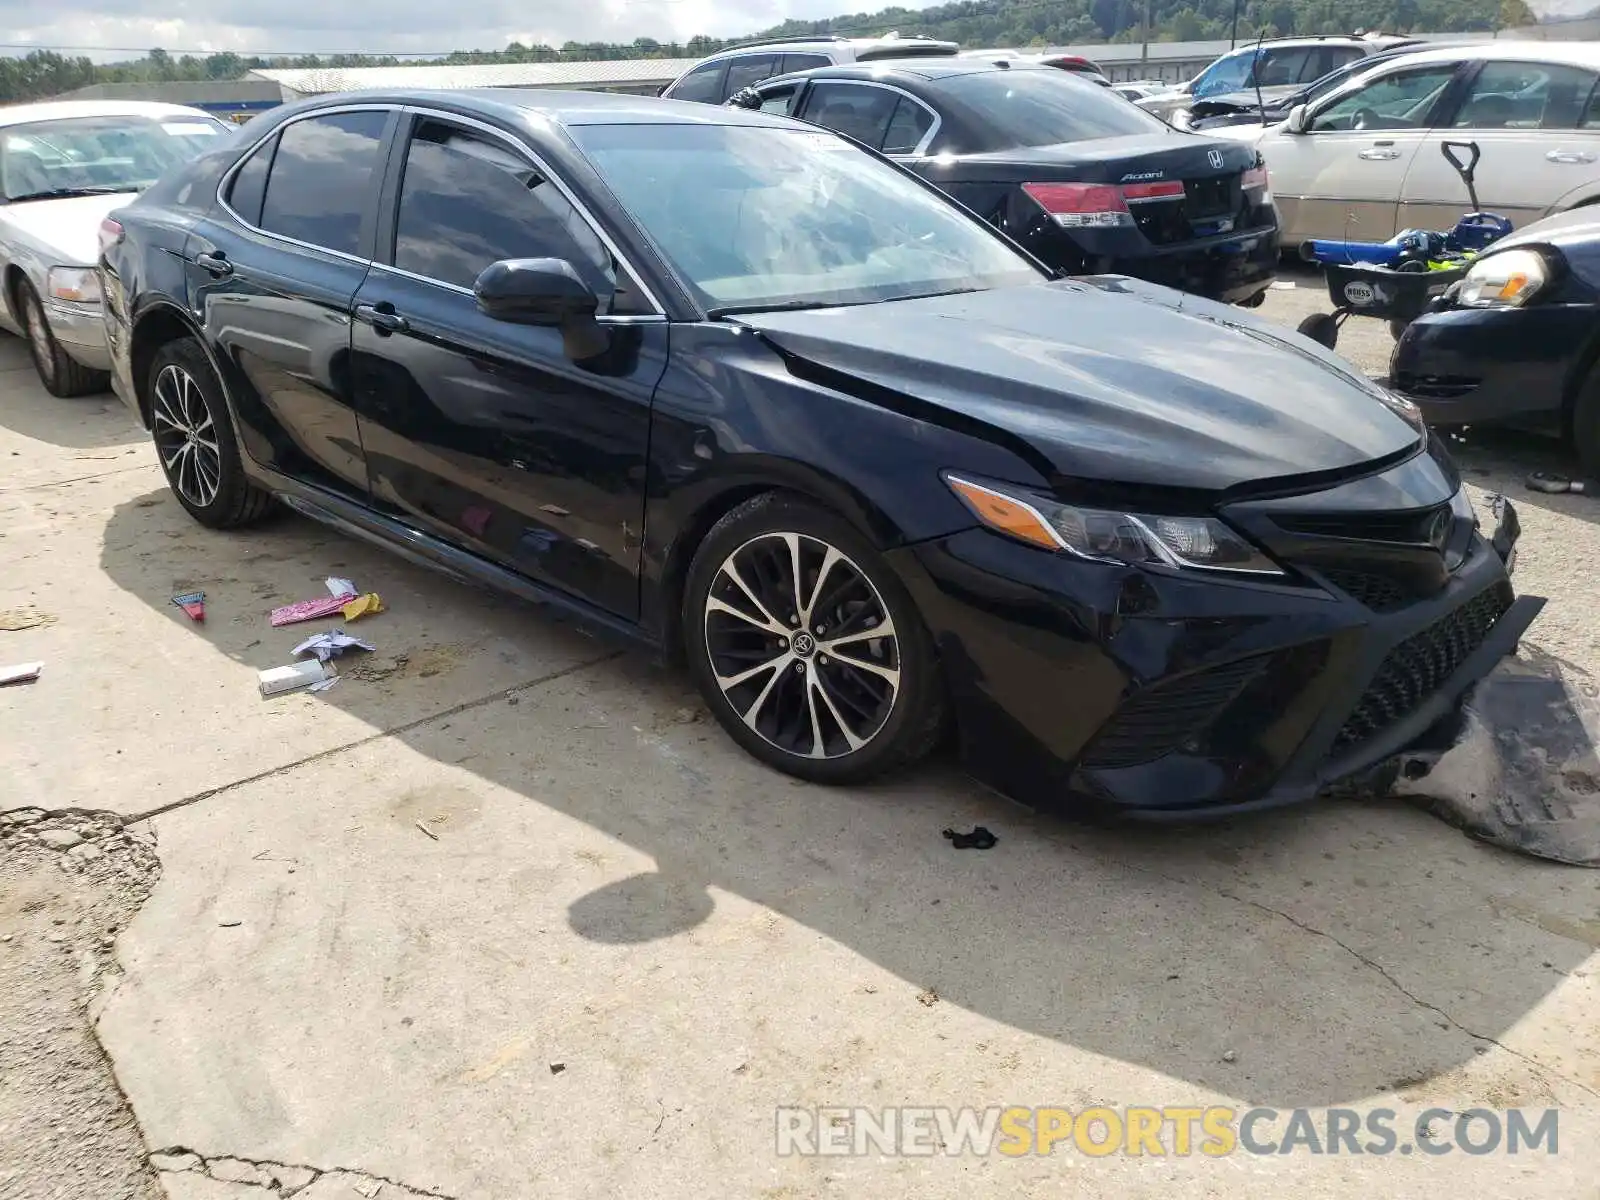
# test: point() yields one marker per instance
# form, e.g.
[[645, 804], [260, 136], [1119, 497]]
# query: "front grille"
[[1437, 387], [1378, 592], [1158, 720], [1419, 666], [1410, 528]]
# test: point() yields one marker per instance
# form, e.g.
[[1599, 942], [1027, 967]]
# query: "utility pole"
[[1144, 50], [1233, 32]]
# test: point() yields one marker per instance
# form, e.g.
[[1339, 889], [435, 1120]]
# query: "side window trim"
[[920, 149], [391, 195], [368, 218]]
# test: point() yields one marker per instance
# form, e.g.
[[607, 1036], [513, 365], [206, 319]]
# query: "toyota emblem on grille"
[[1216, 158]]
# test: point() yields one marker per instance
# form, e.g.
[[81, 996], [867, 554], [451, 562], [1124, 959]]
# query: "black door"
[[524, 444], [273, 281]]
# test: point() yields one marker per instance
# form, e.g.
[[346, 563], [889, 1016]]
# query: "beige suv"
[[730, 71]]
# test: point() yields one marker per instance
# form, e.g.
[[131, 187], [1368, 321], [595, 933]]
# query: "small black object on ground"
[[979, 839]]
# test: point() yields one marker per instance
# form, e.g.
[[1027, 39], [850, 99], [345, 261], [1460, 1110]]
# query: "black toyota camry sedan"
[[1081, 178], [743, 390]]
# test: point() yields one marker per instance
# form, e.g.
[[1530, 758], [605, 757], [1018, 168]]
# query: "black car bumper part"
[[1168, 696]]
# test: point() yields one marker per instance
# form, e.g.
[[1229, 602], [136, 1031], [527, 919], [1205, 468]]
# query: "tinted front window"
[[1043, 108], [323, 178], [466, 202], [249, 186], [100, 154], [755, 217], [703, 84]]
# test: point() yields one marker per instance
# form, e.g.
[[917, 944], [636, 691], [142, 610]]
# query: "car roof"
[[1576, 54], [551, 106], [920, 68], [831, 42], [65, 110]]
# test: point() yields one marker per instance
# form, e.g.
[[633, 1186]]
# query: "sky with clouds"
[[396, 26]]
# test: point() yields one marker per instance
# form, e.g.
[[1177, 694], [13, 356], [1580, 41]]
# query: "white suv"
[[713, 80], [1278, 66]]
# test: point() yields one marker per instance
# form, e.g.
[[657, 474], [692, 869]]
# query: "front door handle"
[[382, 317], [214, 263], [1569, 156], [1379, 154]]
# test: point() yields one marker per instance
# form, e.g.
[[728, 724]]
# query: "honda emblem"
[[1216, 158]]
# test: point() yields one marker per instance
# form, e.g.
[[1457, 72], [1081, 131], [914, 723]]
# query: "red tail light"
[[1090, 205], [110, 234], [1253, 179]]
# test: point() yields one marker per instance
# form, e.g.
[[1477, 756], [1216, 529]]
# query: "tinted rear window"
[[1014, 108]]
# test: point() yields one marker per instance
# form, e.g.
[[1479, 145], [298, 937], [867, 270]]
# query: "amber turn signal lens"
[[1006, 515]]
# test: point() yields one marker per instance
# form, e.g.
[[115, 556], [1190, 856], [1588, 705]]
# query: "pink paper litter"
[[309, 610]]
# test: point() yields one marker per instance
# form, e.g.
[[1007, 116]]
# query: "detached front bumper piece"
[[1171, 696]]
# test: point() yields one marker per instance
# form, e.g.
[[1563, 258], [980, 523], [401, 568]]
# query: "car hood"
[[67, 229], [1107, 379]]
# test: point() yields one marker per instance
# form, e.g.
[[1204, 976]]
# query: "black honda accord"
[[1082, 179], [738, 388]]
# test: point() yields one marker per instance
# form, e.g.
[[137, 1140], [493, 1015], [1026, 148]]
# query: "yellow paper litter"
[[362, 605]]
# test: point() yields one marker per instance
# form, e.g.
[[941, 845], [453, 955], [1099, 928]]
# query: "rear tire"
[[62, 375], [1322, 328], [195, 441], [811, 691]]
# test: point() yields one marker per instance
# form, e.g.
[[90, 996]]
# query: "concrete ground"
[[503, 914]]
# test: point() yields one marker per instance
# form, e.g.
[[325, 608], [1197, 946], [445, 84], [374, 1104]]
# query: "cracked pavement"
[[625, 944]]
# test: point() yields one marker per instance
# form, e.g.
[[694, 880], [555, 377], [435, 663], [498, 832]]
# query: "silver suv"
[[713, 80]]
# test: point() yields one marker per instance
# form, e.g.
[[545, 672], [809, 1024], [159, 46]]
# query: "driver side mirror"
[[534, 291], [1299, 119]]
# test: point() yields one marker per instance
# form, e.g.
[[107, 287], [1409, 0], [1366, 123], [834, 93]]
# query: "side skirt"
[[425, 550]]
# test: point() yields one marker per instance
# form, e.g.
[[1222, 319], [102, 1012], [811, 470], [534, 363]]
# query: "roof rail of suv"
[[826, 37]]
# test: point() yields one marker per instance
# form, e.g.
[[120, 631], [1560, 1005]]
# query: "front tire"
[[195, 442], [62, 375], [807, 647]]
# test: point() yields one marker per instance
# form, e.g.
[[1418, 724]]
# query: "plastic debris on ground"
[[193, 603], [330, 645], [979, 839], [295, 676], [1525, 775], [20, 673], [342, 598], [1544, 481]]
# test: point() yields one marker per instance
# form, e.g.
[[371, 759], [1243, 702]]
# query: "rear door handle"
[[216, 264], [1569, 156], [382, 317], [1379, 154]]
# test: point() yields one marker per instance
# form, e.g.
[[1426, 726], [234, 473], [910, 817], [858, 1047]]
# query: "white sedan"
[[64, 167], [1364, 162]]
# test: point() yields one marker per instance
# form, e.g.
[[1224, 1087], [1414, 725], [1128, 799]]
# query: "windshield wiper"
[[61, 193], [733, 310]]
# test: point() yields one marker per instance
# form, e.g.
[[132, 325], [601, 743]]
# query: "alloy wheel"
[[186, 437], [802, 645], [39, 343]]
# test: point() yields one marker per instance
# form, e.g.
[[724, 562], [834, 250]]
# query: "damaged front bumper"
[[1174, 697]]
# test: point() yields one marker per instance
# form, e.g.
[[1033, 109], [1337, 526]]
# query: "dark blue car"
[[741, 390]]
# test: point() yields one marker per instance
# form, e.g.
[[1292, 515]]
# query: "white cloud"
[[406, 26]]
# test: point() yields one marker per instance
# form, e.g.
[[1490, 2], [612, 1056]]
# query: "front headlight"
[[76, 285], [1143, 539], [1505, 280]]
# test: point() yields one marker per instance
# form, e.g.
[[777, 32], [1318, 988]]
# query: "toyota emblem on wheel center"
[[1216, 158]]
